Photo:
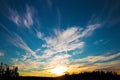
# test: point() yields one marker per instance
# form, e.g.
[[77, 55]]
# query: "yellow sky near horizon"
[[48, 73]]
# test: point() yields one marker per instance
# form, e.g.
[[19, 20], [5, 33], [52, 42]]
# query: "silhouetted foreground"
[[7, 71], [98, 75], [12, 74]]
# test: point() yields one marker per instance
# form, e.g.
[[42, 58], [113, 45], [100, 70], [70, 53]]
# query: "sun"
[[60, 70]]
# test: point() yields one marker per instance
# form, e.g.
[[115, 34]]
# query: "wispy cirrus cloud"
[[63, 60], [25, 19], [28, 19], [92, 59], [103, 66], [91, 63], [15, 17], [18, 42], [56, 48], [68, 40]]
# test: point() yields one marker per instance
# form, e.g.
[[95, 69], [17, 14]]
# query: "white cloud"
[[67, 40], [28, 18], [29, 64], [56, 48], [90, 29], [1, 54], [25, 19], [39, 35], [93, 59], [15, 17], [18, 42], [92, 63], [58, 60]]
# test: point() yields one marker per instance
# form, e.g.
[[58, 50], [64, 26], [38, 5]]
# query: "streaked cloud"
[[67, 40], [28, 18], [18, 42], [92, 63], [99, 65], [15, 17], [92, 59], [25, 19], [56, 49], [42, 39]]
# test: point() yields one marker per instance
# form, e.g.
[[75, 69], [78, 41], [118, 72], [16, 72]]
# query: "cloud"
[[68, 40], [43, 64], [1, 54], [92, 63], [56, 48], [28, 18], [92, 59], [39, 35], [25, 19], [89, 63], [18, 42], [58, 60], [83, 67], [63, 41], [33, 64], [89, 30], [15, 17]]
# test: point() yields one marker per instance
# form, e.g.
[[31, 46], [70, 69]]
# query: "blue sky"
[[81, 35]]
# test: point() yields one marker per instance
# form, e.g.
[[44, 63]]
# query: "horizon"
[[52, 37]]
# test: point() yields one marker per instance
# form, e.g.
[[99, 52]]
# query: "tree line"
[[8, 71]]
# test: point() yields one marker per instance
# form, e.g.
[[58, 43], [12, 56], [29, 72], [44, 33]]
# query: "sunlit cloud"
[[45, 36], [33, 64], [92, 59], [94, 63], [58, 60], [67, 40], [56, 50]]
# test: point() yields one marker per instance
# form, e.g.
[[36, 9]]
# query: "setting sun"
[[60, 70]]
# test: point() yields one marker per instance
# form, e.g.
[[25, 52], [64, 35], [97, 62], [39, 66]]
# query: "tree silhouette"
[[5, 71]]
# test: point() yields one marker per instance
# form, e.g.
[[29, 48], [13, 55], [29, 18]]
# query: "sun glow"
[[60, 70]]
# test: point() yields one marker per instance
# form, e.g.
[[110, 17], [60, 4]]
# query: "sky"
[[41, 35]]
